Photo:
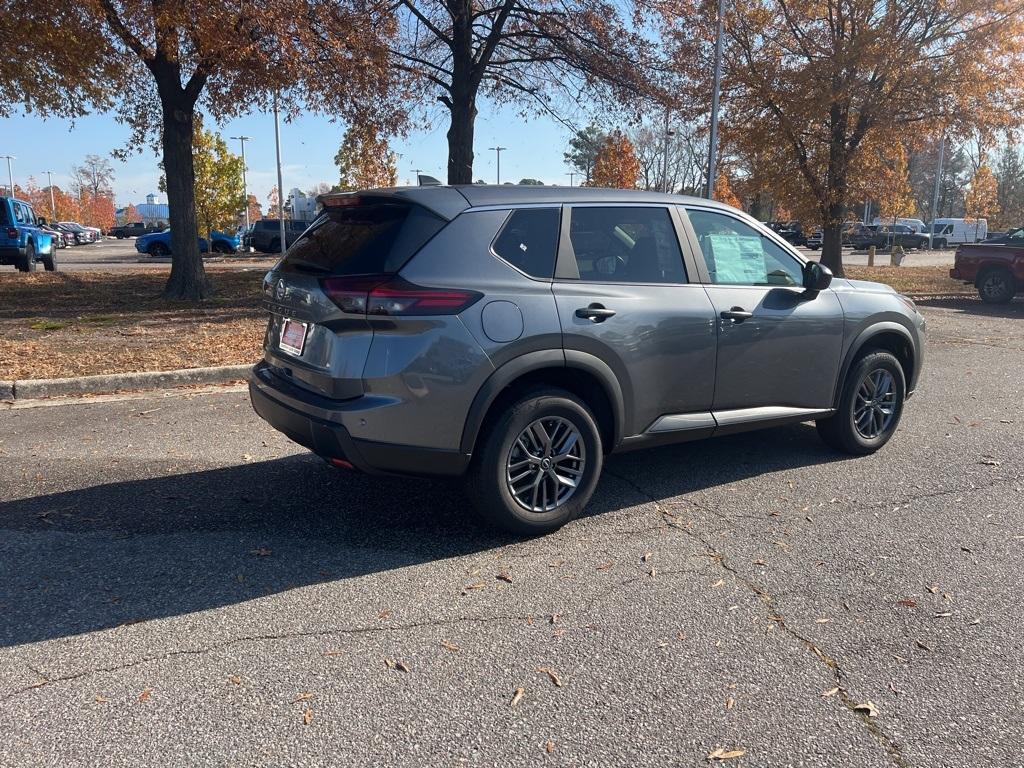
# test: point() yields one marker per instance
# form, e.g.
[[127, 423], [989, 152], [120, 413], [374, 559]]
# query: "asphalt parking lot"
[[181, 585], [110, 253]]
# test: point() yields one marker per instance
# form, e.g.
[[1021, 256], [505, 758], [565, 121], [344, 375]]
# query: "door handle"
[[736, 314], [595, 313]]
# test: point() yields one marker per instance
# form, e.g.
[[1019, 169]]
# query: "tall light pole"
[[417, 172], [10, 173], [938, 185], [668, 135], [245, 183], [572, 175], [53, 204], [715, 96], [498, 150], [280, 182]]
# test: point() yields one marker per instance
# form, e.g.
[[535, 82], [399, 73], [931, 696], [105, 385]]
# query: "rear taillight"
[[12, 232], [393, 296]]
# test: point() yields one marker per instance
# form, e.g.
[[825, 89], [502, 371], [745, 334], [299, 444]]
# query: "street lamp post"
[[938, 186], [280, 183], [417, 172], [715, 96], [10, 173], [245, 183], [572, 175], [498, 150], [53, 204]]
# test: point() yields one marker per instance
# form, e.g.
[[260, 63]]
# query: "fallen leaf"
[[235, 679], [260, 552], [384, 615], [450, 646], [921, 645], [944, 615], [721, 754], [307, 716], [553, 619], [333, 653], [907, 603], [305, 696], [730, 703], [100, 699], [867, 708], [504, 576], [973, 623], [556, 563], [718, 583], [653, 572], [247, 457], [822, 621], [400, 666], [517, 697], [549, 747], [760, 562], [146, 693], [645, 557], [476, 585], [558, 632], [551, 674], [606, 565], [990, 462], [933, 589], [830, 692]]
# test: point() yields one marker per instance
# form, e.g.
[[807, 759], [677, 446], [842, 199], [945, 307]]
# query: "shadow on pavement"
[[972, 305], [126, 552]]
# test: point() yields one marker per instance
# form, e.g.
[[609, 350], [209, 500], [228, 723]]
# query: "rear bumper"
[[9, 254], [299, 415]]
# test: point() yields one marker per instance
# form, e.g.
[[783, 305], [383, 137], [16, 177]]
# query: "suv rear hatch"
[[342, 270]]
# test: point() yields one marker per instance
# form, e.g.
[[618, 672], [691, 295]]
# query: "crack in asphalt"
[[270, 636], [886, 742]]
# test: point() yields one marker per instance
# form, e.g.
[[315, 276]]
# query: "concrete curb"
[[95, 385]]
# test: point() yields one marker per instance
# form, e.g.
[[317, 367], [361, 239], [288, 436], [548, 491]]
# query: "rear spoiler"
[[446, 202]]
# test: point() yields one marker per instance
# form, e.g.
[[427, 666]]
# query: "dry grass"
[[82, 323], [914, 281]]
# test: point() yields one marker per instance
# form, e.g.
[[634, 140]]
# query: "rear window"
[[372, 238]]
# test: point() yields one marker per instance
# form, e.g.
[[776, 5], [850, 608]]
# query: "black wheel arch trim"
[[534, 361], [862, 339]]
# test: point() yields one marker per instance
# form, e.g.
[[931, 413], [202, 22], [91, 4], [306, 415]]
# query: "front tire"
[[870, 406], [158, 250], [996, 286], [537, 464], [50, 262]]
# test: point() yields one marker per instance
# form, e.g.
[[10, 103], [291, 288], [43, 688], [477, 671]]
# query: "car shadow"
[[126, 552]]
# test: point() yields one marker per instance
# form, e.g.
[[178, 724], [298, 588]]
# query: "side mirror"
[[816, 277]]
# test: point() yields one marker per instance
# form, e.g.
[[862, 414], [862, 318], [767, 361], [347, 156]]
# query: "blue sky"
[[308, 144]]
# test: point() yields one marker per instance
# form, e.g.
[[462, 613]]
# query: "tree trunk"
[[460, 141], [832, 246], [188, 277]]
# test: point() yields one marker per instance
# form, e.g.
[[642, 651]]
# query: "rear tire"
[[867, 418], [158, 250], [513, 468], [28, 261], [50, 262], [996, 286]]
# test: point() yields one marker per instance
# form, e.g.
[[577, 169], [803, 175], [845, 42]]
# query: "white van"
[[957, 231], [915, 224]]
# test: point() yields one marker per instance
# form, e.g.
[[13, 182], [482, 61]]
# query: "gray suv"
[[517, 335]]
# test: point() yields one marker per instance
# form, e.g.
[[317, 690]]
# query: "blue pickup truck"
[[23, 241], [159, 243]]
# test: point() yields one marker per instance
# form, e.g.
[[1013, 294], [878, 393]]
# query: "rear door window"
[[529, 241], [629, 244], [363, 239]]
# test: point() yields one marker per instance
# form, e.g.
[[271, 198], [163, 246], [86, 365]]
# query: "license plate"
[[293, 336]]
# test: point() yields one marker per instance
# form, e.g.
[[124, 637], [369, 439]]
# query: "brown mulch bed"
[[62, 324], [82, 323]]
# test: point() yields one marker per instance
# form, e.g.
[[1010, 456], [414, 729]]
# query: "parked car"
[[817, 237], [791, 231], [995, 269], [1010, 237], [159, 243], [947, 232], [61, 239], [83, 235], [515, 335], [135, 229], [265, 234], [886, 236], [23, 241], [915, 225]]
